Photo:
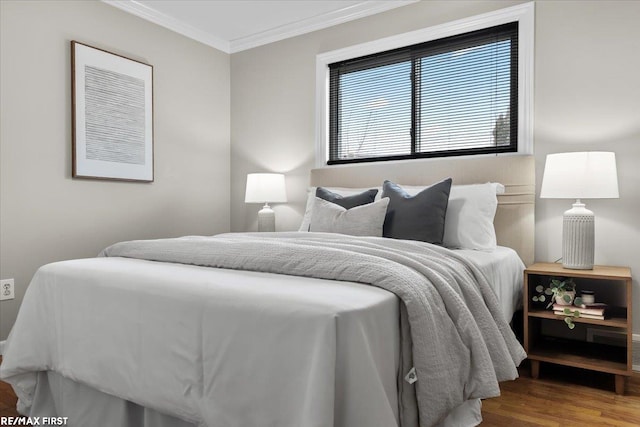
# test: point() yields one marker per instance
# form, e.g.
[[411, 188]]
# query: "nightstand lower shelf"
[[577, 354]]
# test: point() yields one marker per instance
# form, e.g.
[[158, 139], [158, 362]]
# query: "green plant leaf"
[[577, 301], [567, 311], [566, 298], [541, 298], [548, 291], [569, 322], [534, 299], [539, 289]]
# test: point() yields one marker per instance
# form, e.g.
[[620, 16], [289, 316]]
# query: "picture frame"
[[112, 116]]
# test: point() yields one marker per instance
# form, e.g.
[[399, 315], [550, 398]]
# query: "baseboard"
[[2, 347]]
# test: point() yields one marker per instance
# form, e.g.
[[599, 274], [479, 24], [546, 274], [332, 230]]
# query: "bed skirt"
[[57, 396]]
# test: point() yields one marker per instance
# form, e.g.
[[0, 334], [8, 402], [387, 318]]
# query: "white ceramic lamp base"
[[266, 219], [578, 238]]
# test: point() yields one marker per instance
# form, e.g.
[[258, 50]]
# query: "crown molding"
[[171, 23], [315, 23]]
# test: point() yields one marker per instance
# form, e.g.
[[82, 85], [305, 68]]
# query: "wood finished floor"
[[8, 400], [561, 397]]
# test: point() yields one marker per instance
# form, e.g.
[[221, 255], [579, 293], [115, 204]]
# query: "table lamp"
[[265, 188], [581, 175]]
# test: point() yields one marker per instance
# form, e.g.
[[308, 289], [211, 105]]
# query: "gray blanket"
[[453, 331]]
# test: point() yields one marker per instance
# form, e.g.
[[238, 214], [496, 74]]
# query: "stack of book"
[[595, 310]]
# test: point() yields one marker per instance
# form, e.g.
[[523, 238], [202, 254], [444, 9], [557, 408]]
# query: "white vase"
[[578, 238], [560, 297]]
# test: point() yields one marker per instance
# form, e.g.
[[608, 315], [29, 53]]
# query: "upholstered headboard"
[[514, 221]]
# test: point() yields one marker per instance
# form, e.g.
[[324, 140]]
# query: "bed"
[[152, 333]]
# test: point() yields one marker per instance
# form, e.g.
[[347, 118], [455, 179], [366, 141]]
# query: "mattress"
[[285, 351]]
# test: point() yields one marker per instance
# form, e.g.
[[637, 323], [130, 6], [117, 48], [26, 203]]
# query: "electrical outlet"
[[6, 289]]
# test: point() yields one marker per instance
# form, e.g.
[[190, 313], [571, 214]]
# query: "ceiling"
[[233, 26]]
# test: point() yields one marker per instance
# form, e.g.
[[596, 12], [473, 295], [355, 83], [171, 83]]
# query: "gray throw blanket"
[[453, 331]]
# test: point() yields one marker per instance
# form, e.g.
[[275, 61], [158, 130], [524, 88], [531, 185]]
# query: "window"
[[457, 89], [451, 96]]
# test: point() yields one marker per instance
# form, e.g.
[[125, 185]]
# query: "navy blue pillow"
[[420, 217], [347, 202]]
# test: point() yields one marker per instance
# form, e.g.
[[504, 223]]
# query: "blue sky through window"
[[462, 94], [376, 111]]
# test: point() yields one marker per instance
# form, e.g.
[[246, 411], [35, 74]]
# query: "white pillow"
[[470, 213], [364, 220], [342, 191]]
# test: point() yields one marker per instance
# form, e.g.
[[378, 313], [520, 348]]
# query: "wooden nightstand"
[[612, 286]]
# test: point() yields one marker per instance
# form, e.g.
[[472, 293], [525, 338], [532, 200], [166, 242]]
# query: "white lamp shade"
[[581, 175], [265, 188]]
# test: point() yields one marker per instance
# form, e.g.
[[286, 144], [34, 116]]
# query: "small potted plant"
[[560, 291]]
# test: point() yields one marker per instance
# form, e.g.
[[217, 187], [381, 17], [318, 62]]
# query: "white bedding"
[[86, 316], [504, 271], [328, 351]]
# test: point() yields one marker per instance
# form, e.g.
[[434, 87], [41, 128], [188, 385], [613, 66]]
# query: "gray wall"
[[587, 97], [45, 215]]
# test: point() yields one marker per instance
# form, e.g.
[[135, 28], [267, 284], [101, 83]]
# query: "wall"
[[587, 97], [273, 100], [47, 216]]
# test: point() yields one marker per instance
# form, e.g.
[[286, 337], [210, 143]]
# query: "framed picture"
[[112, 103]]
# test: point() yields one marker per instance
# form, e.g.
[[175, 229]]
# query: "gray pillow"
[[420, 217], [365, 220], [347, 202]]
